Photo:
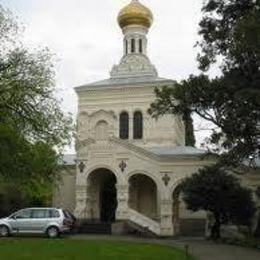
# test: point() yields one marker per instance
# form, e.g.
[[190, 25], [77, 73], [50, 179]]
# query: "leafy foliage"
[[230, 28], [11, 199], [166, 104], [33, 128], [230, 33], [27, 97], [27, 169], [215, 191]]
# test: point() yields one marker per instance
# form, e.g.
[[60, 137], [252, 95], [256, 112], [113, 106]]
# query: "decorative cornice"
[[125, 84], [102, 111], [84, 143], [134, 65]]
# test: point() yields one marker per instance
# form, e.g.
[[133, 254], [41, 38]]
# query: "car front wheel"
[[4, 231], [53, 232]]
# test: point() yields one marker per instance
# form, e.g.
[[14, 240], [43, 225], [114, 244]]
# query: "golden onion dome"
[[135, 14]]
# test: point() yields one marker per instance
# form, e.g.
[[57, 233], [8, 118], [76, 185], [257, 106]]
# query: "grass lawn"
[[65, 249]]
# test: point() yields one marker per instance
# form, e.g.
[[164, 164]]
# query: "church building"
[[128, 165]]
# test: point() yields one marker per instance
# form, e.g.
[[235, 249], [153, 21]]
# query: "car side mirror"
[[13, 217]]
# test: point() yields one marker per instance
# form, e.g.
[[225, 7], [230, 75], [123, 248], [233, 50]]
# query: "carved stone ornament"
[[134, 65], [84, 143], [81, 167], [166, 179], [122, 166]]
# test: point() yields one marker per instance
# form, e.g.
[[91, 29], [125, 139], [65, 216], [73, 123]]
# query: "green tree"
[[230, 32], [28, 169], [27, 88], [33, 128], [220, 193]]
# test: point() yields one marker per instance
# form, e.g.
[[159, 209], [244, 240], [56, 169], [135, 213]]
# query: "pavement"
[[201, 249]]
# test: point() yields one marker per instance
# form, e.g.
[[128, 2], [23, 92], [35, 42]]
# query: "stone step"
[[140, 231], [94, 228], [128, 227]]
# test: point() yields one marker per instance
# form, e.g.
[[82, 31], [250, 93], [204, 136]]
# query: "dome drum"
[[135, 30]]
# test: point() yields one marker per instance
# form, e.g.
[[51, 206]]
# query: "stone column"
[[166, 218], [90, 196], [122, 200], [131, 126], [125, 46], [176, 214], [81, 202], [136, 45], [145, 45], [81, 189]]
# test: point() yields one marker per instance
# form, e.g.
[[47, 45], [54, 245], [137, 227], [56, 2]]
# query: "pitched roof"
[[118, 82], [70, 159], [177, 151]]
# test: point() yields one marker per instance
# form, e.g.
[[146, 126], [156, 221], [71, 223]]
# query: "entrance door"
[[108, 200], [103, 192]]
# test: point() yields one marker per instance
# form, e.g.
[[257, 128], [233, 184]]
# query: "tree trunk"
[[215, 230], [257, 231]]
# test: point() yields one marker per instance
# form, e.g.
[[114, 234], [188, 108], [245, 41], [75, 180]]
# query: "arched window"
[[126, 47], [140, 46], [133, 45], [101, 130], [124, 126], [138, 125]]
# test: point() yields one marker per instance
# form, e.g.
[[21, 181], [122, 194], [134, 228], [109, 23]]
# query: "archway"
[[102, 194], [143, 195]]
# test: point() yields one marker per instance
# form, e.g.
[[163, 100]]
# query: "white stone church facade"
[[128, 165]]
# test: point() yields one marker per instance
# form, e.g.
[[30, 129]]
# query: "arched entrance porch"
[[143, 196], [102, 195]]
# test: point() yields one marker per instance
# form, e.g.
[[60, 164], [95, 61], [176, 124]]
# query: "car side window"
[[53, 213], [39, 213], [23, 214]]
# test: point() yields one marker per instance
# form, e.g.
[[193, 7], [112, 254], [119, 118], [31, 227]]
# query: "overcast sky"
[[87, 40]]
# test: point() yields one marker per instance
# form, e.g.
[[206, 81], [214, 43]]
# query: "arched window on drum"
[[124, 126], [138, 125]]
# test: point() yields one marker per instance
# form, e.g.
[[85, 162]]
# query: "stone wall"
[[64, 192], [107, 104]]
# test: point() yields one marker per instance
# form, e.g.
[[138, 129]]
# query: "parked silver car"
[[49, 221]]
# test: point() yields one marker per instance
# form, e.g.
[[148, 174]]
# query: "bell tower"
[[135, 20]]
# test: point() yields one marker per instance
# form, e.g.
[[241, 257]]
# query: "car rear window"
[[53, 213], [66, 214]]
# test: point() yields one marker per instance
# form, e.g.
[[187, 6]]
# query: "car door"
[[21, 221], [39, 220]]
